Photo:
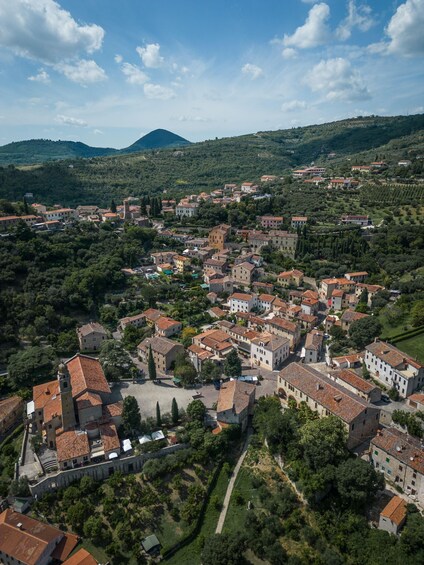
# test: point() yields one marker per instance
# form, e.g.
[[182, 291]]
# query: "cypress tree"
[[113, 207], [158, 416], [151, 365], [174, 411]]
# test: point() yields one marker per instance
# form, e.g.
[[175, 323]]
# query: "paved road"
[[231, 484]]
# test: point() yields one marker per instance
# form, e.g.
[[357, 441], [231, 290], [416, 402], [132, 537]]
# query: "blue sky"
[[106, 72]]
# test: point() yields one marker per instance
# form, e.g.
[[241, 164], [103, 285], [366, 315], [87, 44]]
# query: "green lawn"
[[237, 511], [97, 552], [190, 554], [413, 346]]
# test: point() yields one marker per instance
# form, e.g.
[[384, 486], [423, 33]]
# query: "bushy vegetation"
[[202, 165]]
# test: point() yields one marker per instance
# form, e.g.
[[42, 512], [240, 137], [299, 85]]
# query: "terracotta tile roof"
[[417, 397], [129, 319], [246, 265], [81, 557], [152, 314], [332, 396], [42, 394], [113, 410], [161, 345], [72, 444], [358, 274], [282, 324], [314, 340], [391, 355], [395, 510], [65, 546], [109, 437], [235, 396], [266, 297], [402, 447], [338, 292], [355, 358], [241, 296], [369, 287], [351, 316], [351, 378], [88, 399], [86, 375], [28, 542], [308, 318], [310, 294], [164, 323], [52, 408], [270, 342], [9, 405], [217, 311]]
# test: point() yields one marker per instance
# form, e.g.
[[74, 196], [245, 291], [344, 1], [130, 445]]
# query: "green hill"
[[43, 150], [210, 164]]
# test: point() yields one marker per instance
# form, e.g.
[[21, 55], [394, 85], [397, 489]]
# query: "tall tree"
[[363, 331], [174, 411], [232, 365], [151, 365], [113, 207], [131, 418], [158, 416]]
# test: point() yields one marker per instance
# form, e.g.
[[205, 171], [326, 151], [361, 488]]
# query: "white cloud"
[[97, 132], [358, 17], [289, 53], [69, 121], [43, 30], [313, 32], [337, 79], [405, 29], [253, 71], [158, 92], [42, 76], [293, 105], [150, 55], [83, 71], [184, 118], [118, 58], [134, 74]]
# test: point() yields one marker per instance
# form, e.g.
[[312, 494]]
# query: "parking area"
[[148, 393]]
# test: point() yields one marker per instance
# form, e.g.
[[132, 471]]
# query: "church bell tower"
[[65, 389]]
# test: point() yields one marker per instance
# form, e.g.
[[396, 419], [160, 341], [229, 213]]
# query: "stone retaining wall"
[[100, 471]]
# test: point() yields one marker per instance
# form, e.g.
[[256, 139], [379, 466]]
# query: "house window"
[[387, 460], [413, 483], [400, 468], [414, 475], [375, 452], [352, 427]]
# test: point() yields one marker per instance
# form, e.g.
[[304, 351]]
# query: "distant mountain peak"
[[156, 139]]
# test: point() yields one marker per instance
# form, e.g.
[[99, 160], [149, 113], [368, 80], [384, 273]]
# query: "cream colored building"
[[304, 384]]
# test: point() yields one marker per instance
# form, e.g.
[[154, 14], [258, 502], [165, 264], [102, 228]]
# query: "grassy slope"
[[413, 346], [190, 554], [206, 165]]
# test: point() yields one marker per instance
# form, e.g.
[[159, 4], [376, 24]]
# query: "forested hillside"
[[210, 164]]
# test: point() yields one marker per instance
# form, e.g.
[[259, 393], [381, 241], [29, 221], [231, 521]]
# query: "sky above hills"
[[106, 72]]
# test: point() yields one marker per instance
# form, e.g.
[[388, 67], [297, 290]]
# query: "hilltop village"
[[210, 338]]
